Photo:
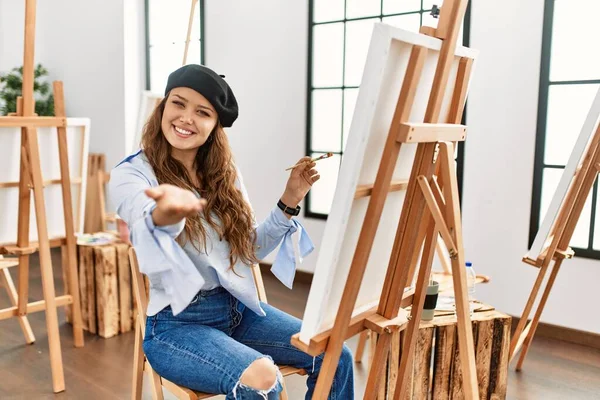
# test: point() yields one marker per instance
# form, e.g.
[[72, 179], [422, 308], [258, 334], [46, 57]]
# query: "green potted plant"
[[11, 85]]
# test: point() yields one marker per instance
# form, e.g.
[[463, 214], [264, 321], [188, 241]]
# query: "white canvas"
[[77, 143], [386, 64], [147, 105], [543, 238]]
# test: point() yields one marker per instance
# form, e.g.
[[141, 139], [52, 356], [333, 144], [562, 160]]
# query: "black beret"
[[210, 85]]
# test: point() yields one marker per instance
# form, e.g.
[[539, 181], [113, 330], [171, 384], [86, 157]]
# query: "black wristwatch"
[[288, 210]]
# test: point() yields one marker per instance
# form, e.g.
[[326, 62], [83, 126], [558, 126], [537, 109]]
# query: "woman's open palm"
[[174, 203]]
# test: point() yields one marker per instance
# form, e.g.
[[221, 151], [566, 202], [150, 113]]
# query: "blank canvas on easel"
[[543, 236], [78, 143], [387, 62]]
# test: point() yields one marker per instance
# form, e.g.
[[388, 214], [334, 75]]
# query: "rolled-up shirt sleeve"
[[160, 257], [126, 188], [276, 229]]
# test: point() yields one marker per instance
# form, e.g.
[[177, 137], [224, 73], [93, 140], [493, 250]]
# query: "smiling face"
[[187, 121]]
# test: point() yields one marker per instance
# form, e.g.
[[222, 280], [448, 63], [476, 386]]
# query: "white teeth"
[[183, 131]]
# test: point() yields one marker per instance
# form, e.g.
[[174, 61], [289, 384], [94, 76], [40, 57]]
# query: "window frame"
[[540, 141], [308, 150], [147, 37]]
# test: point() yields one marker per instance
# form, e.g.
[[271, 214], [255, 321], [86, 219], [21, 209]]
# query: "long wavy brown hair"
[[226, 211]]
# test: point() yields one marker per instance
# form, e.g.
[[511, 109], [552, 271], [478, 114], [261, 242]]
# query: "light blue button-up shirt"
[[176, 273]]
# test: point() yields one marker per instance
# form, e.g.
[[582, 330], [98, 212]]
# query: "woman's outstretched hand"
[[300, 181], [173, 204]]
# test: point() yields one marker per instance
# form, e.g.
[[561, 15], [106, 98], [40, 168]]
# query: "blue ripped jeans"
[[210, 344]]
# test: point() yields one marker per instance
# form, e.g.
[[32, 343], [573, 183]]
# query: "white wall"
[[11, 34], [83, 44], [134, 73], [502, 117], [262, 52]]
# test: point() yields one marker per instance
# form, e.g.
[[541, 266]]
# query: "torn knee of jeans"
[[264, 393]]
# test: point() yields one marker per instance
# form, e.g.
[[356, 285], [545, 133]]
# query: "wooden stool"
[[436, 369], [140, 364]]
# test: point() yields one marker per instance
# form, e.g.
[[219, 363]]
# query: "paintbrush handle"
[[293, 166], [327, 155]]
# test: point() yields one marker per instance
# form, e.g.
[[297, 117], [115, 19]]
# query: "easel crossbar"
[[411, 132], [46, 183], [434, 209], [318, 344], [8, 262], [12, 249], [32, 122], [558, 255], [35, 306], [367, 190]]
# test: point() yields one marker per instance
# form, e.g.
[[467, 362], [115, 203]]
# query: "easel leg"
[[418, 246], [538, 313], [157, 392], [360, 348], [464, 328], [23, 224], [394, 361], [58, 379], [71, 246], [64, 263], [380, 356], [412, 330], [14, 300], [516, 339], [459, 275], [283, 395], [138, 363]]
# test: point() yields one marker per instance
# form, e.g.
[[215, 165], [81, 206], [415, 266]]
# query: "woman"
[[195, 237]]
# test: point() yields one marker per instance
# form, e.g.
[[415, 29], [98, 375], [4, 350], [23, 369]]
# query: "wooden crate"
[[436, 367], [107, 305]]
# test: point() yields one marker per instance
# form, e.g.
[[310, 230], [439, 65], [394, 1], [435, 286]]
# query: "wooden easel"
[[31, 180], [558, 248], [429, 209], [189, 31]]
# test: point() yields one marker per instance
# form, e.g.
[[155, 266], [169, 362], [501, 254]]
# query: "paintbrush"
[[324, 156]]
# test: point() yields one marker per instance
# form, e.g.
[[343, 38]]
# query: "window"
[[166, 33], [339, 37], [569, 79]]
